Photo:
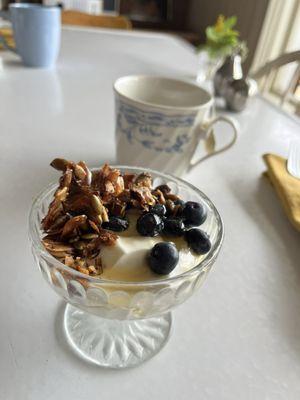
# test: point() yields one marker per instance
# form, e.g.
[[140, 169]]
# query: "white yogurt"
[[127, 259]]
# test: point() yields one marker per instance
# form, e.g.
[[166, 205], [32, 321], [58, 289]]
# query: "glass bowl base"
[[113, 343]]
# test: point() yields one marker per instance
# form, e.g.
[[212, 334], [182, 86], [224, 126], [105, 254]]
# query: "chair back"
[[70, 17]]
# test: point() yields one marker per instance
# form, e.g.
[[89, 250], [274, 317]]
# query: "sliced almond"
[[92, 270], [80, 245], [89, 236], [74, 223], [98, 218], [61, 164], [61, 194], [104, 215], [79, 172], [97, 204], [93, 226], [83, 270], [69, 261], [88, 174]]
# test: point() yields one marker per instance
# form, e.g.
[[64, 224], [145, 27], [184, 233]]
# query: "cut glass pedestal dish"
[[120, 324]]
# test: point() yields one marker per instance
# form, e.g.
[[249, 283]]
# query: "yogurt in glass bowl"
[[122, 317]]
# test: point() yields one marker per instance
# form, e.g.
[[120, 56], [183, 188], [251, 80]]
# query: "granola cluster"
[[85, 200]]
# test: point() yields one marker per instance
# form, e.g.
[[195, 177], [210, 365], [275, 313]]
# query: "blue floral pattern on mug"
[[152, 129]]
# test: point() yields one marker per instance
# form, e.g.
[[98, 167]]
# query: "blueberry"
[[179, 202], [174, 227], [193, 214], [163, 258], [116, 224], [198, 241], [158, 209], [149, 224]]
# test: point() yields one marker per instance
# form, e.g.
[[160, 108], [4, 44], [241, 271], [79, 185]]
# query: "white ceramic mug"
[[160, 121]]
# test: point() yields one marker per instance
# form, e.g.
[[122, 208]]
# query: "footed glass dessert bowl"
[[117, 323]]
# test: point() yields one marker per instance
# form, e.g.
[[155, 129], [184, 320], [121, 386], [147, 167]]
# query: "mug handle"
[[207, 128], [6, 15]]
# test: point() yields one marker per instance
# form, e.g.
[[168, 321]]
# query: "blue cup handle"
[[6, 15]]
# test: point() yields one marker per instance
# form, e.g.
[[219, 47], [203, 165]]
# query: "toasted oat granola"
[[84, 200]]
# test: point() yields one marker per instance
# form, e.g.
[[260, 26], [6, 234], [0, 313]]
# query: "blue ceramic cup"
[[36, 32]]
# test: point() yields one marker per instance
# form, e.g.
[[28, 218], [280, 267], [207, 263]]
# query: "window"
[[281, 34]]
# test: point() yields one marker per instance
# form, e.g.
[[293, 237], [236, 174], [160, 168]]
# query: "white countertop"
[[239, 336]]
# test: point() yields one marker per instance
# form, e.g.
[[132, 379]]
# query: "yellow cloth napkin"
[[286, 186], [7, 33]]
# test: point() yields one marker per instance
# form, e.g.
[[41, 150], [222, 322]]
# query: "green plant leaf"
[[211, 34], [230, 22], [221, 38]]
